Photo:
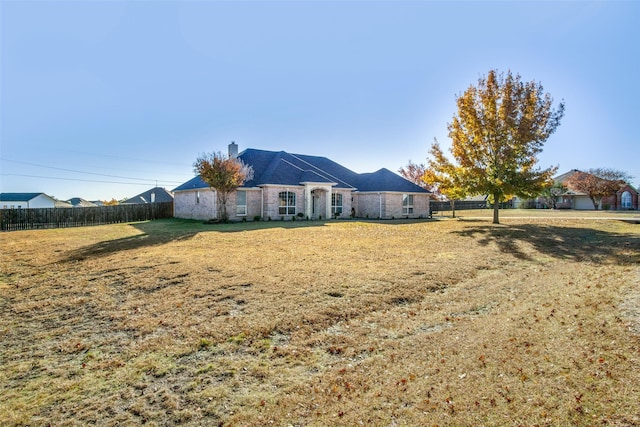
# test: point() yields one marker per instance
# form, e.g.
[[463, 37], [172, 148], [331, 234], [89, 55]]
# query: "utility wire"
[[88, 173], [148, 182]]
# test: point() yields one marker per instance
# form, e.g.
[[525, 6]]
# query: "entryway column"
[[307, 201], [328, 204]]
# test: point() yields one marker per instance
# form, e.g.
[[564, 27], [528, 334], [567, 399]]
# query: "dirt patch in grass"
[[342, 323]]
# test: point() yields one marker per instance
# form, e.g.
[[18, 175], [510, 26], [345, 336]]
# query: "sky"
[[106, 99]]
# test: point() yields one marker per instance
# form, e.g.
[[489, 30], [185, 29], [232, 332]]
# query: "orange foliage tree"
[[223, 174], [414, 172], [597, 183]]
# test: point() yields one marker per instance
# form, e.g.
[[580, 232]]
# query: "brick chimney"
[[233, 150]]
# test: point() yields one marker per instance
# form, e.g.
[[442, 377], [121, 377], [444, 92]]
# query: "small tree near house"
[[550, 194], [444, 177], [415, 172], [597, 183], [224, 175]]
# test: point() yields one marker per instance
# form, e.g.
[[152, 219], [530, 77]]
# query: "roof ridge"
[[323, 171]]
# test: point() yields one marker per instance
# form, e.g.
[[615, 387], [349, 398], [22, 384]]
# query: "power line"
[[119, 157], [83, 172], [149, 182]]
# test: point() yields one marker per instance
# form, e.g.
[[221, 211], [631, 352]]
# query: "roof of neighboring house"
[[477, 198], [560, 179], [282, 168], [161, 196], [62, 204], [18, 197], [79, 202]]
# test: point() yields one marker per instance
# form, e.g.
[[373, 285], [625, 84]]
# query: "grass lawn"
[[535, 321]]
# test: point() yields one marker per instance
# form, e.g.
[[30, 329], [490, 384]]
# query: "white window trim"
[[287, 207], [407, 204], [244, 206], [334, 205]]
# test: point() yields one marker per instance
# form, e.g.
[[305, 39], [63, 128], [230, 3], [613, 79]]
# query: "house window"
[[241, 203], [336, 204], [287, 203], [197, 197], [407, 204], [626, 200], [153, 197]]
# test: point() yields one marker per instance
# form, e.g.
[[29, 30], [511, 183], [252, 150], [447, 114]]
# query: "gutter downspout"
[[380, 202]]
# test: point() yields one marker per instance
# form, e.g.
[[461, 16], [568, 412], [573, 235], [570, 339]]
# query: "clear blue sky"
[[116, 90]]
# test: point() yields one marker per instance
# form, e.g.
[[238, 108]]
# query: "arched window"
[[626, 201], [287, 201], [336, 204]]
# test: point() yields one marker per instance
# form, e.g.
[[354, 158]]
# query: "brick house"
[[288, 185], [626, 198]]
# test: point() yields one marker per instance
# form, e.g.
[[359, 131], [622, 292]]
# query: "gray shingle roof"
[[161, 196], [79, 202], [282, 168]]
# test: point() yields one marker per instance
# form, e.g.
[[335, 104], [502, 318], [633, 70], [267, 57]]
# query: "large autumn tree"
[[597, 183], [498, 132], [223, 174]]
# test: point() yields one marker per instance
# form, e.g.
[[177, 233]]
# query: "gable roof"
[[18, 197], [560, 179], [79, 202], [270, 167], [161, 196], [385, 180], [282, 168], [62, 204]]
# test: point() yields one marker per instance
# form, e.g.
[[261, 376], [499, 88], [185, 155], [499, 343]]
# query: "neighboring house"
[[626, 198], [288, 185], [78, 202], [25, 201], [155, 195]]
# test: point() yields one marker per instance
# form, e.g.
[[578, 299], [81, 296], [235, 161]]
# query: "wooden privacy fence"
[[30, 219], [460, 205]]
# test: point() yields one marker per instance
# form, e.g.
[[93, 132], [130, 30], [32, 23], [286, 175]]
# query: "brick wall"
[[185, 206], [389, 205]]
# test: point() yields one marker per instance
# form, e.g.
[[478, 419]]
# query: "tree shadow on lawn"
[[163, 231], [567, 243], [154, 233]]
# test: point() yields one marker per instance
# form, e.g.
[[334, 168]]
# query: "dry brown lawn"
[[441, 322]]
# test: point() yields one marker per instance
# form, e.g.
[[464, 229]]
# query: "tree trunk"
[[496, 208], [222, 207], [453, 208]]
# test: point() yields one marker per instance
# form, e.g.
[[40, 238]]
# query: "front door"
[[317, 204]]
